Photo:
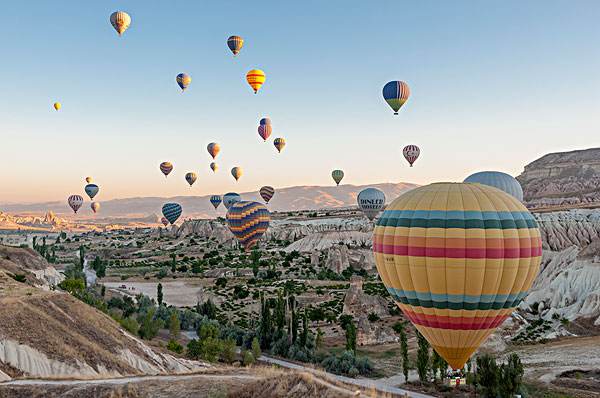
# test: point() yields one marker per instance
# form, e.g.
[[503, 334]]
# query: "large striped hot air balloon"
[[236, 172], [371, 201], [502, 181], [279, 143], [191, 178], [166, 168], [265, 130], [91, 190], [267, 193], [230, 198], [337, 176], [256, 78], [457, 258], [235, 44], [213, 149], [171, 211], [183, 80], [120, 21], [396, 93], [248, 221], [214, 167], [95, 206], [75, 202], [216, 200], [411, 153]]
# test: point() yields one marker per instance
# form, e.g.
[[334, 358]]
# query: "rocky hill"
[[562, 178]]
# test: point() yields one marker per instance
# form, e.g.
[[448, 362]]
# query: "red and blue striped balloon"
[[248, 221]]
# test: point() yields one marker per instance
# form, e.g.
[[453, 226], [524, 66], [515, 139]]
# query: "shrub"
[[345, 363], [174, 346], [256, 348], [248, 358], [130, 324], [228, 352], [373, 317]]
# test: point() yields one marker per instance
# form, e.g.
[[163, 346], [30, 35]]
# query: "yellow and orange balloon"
[[255, 79], [457, 258]]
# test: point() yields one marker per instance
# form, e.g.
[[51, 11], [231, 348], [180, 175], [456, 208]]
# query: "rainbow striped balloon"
[[396, 93], [171, 211], [248, 221], [457, 258]]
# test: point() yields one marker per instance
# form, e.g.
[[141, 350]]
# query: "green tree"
[[400, 328], [81, 255], [487, 376], [304, 335], [511, 376], [319, 339], [439, 365], [174, 325], [173, 262], [279, 314], [228, 353], [159, 294], [149, 326], [248, 358], [72, 286], [422, 357], [256, 353]]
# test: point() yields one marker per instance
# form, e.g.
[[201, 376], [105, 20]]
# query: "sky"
[[494, 85]]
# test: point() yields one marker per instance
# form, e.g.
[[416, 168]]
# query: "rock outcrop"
[[205, 229], [562, 178], [337, 258]]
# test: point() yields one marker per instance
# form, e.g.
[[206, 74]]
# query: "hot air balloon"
[[264, 121], [164, 221], [57, 106], [457, 258], [235, 44], [230, 198], [267, 193], [191, 178], [411, 153], [497, 179], [166, 168], [213, 149], [75, 202], [265, 130], [95, 206], [279, 143], [256, 78], [183, 80], [215, 200], [396, 93], [120, 21], [337, 176], [214, 167], [171, 211], [236, 172], [89, 179], [91, 190], [371, 201], [248, 221]]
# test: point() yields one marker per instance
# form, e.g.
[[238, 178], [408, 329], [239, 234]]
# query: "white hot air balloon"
[[497, 179], [371, 201]]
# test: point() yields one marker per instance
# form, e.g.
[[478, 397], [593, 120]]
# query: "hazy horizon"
[[493, 86]]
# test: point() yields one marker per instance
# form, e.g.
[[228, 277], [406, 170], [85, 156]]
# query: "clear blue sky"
[[494, 85]]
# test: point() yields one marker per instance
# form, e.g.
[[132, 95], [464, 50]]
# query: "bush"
[[373, 317], [228, 352], [130, 324], [221, 282], [248, 358], [19, 277], [256, 348], [345, 363], [174, 346]]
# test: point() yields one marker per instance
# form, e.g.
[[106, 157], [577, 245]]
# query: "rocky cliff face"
[[562, 178]]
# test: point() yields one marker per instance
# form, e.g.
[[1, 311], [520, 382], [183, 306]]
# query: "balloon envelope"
[[164, 221], [457, 259], [256, 78], [166, 168], [183, 80], [264, 121], [371, 201], [95, 206], [171, 211], [267, 193], [191, 178], [248, 221], [396, 93], [230, 198], [337, 176], [75, 202], [216, 200], [120, 21], [279, 144], [57, 105], [214, 167], [213, 149], [265, 130], [236, 172], [89, 179], [91, 190], [235, 44], [411, 153], [497, 179]]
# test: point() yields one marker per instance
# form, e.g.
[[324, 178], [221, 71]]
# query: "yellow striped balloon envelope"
[[457, 258], [120, 21], [248, 221], [256, 78]]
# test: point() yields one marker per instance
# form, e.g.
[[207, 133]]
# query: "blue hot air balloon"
[[171, 211], [91, 190], [216, 200], [497, 179], [248, 221], [230, 198], [396, 93]]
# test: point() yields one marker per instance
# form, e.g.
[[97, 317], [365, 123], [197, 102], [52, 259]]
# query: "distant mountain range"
[[285, 199]]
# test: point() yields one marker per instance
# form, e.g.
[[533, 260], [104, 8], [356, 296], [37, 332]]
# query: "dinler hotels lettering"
[[371, 203]]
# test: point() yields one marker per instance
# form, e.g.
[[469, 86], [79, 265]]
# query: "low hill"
[[285, 199]]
